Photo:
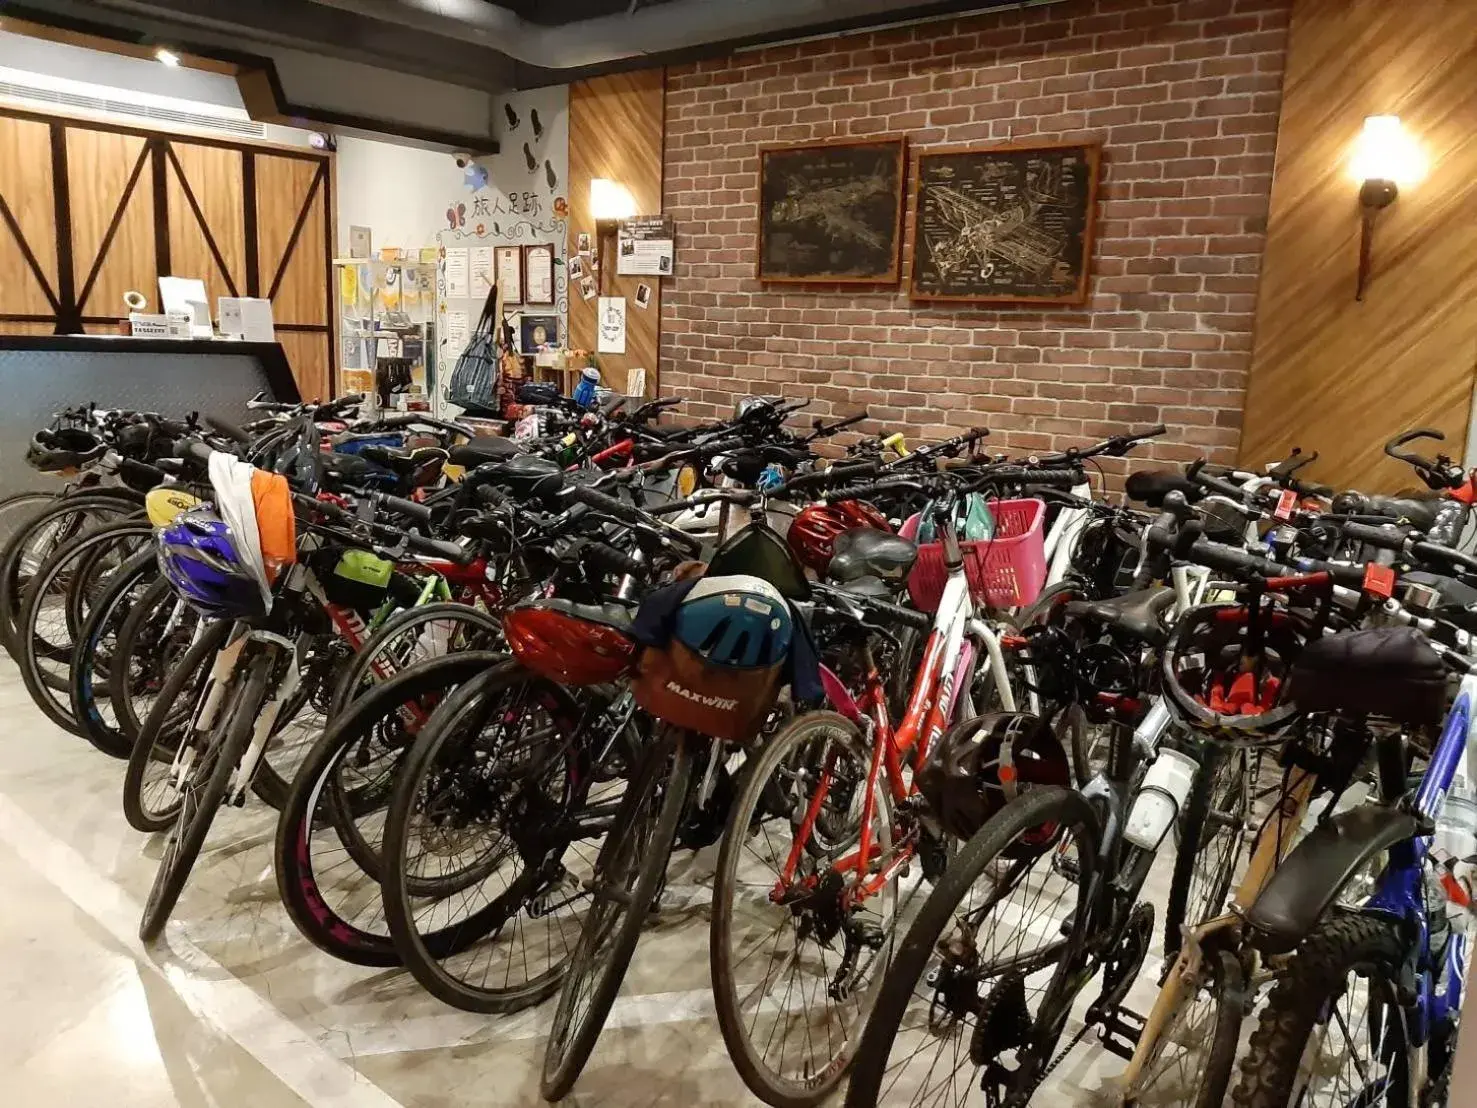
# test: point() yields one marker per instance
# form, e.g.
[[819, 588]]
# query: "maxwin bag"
[[1381, 671], [716, 654]]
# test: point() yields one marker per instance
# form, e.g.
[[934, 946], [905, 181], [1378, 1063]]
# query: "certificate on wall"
[[610, 318], [510, 273], [538, 274], [482, 274], [458, 286]]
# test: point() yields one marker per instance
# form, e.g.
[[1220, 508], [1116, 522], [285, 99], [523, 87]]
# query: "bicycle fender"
[[1309, 879]]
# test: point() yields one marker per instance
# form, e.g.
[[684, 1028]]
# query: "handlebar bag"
[[1390, 672]]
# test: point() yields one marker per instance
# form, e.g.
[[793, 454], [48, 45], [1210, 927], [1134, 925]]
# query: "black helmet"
[[981, 764], [1207, 685], [61, 448]]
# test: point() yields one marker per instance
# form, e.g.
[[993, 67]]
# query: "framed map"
[[1004, 223], [831, 211]]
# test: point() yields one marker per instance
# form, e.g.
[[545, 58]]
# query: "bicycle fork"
[[267, 720]]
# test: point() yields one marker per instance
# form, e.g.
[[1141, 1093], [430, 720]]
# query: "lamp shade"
[[609, 200], [1385, 152]]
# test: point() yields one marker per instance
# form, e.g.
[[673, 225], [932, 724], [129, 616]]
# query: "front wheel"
[[971, 998], [1333, 1031], [1210, 841], [1193, 1057], [628, 873]]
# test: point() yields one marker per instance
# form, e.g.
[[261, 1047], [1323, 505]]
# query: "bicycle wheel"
[[1193, 1058], [1333, 1031], [206, 782], [151, 788], [159, 629], [974, 980], [97, 644], [1210, 841], [330, 832], [411, 636], [37, 538], [794, 969], [43, 629], [484, 846], [628, 872]]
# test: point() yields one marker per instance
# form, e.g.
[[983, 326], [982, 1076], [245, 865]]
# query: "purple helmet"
[[198, 556]]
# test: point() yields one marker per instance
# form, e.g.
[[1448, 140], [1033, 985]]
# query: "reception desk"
[[40, 375]]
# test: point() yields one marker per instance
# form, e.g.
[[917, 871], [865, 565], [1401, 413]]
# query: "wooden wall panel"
[[207, 224], [1329, 373], [616, 129], [112, 188], [26, 190], [292, 237], [308, 354]]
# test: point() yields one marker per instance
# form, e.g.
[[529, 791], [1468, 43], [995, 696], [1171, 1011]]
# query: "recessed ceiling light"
[[168, 57]]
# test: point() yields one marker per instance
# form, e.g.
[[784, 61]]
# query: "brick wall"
[[1184, 96]]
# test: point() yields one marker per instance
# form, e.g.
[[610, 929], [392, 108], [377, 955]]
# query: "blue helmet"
[[739, 621], [198, 555]]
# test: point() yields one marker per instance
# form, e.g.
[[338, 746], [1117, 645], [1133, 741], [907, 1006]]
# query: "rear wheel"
[[970, 1000], [1210, 841], [97, 647], [1194, 1057], [411, 636], [628, 874]]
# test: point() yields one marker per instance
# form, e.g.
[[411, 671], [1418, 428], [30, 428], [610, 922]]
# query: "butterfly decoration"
[[475, 176], [457, 217]]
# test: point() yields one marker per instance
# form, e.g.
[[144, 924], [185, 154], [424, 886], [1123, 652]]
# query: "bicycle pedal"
[[1121, 1030]]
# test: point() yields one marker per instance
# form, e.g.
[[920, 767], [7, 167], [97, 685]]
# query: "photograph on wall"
[[1005, 223], [831, 212]]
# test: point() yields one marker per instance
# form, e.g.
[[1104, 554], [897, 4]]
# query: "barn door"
[[29, 299]]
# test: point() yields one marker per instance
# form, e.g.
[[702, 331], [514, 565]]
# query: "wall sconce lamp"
[[609, 204], [1384, 159]]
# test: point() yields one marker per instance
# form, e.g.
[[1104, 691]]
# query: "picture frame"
[[507, 268], [1004, 224], [832, 212], [538, 274]]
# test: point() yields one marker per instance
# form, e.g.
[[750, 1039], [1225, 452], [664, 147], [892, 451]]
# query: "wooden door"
[[90, 211]]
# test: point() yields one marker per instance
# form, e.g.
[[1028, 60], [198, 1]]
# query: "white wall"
[[398, 192]]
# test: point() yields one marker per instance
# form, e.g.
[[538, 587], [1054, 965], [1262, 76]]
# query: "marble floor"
[[234, 1008]]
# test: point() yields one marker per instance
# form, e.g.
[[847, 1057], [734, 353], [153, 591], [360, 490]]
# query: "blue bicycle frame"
[[1401, 892]]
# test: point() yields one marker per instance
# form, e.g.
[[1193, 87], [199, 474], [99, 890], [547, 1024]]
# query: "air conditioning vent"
[[244, 128]]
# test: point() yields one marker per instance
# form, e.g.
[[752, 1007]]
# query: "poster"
[[348, 289], [458, 283], [610, 315], [456, 335], [645, 246], [481, 264], [636, 381], [387, 290], [359, 242], [538, 274], [510, 273]]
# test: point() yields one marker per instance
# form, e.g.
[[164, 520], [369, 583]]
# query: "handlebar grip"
[[1152, 433], [1053, 478], [140, 472], [1382, 537], [1436, 551], [408, 508], [436, 548], [1229, 559], [195, 450], [616, 560], [619, 509], [227, 429], [1342, 574], [1215, 484], [921, 621]]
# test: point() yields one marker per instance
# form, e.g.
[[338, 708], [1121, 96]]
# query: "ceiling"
[[487, 46]]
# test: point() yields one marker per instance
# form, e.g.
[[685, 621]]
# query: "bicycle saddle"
[[487, 448], [864, 552], [1136, 613], [1149, 486], [526, 476]]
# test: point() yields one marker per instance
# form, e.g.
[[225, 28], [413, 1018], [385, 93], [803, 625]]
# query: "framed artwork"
[[538, 274], [832, 211], [1004, 224], [507, 266]]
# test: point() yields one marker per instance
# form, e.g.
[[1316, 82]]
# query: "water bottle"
[[1160, 798], [584, 392], [1454, 848]]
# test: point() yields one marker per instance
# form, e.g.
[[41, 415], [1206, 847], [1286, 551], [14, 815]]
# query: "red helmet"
[[573, 644], [813, 531]]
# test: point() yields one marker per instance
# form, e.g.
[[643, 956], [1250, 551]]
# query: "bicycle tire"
[[569, 1048], [14, 580], [1044, 804], [136, 809], [42, 684], [1205, 810], [424, 958], [1340, 944], [348, 685], [125, 686], [293, 861], [760, 1077], [187, 836], [107, 617], [1227, 985]]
